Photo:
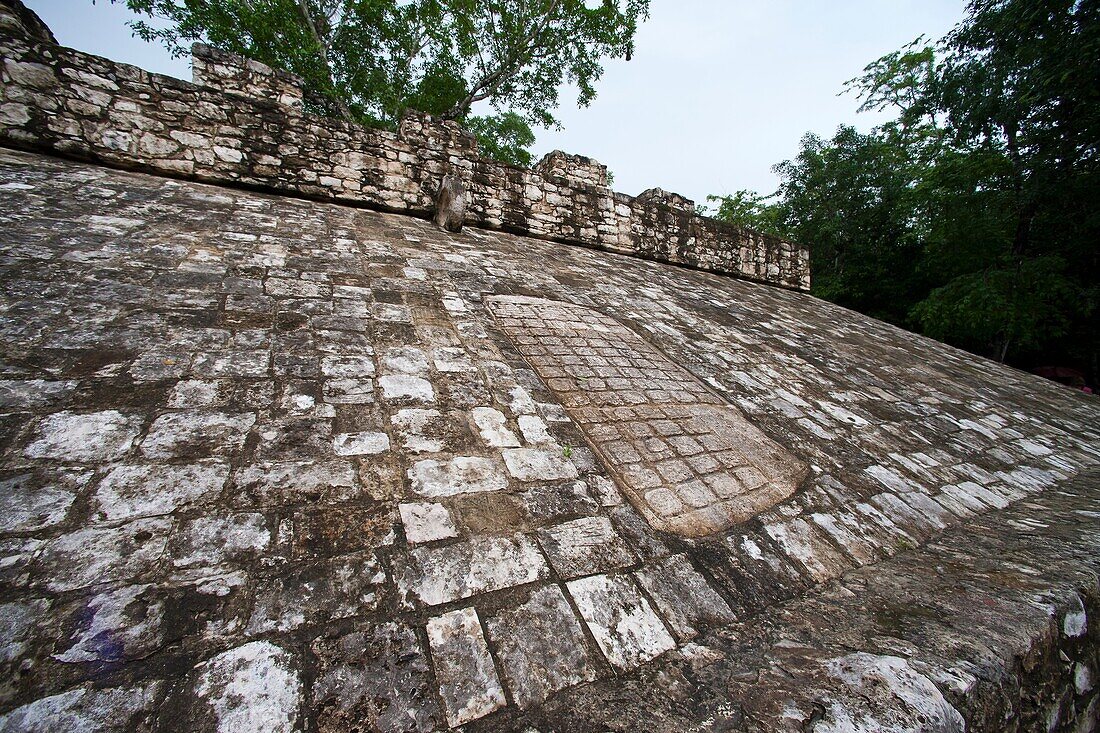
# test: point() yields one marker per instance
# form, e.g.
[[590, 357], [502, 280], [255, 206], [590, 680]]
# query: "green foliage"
[[370, 60], [852, 197], [503, 137], [747, 209], [1020, 306], [974, 216]]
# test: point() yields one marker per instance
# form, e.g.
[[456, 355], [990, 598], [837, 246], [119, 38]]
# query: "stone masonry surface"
[[275, 463], [271, 464], [242, 123], [689, 462]]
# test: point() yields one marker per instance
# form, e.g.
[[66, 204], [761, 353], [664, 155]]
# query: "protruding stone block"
[[450, 204], [573, 169], [671, 200]]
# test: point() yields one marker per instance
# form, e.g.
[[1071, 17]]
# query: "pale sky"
[[717, 93]]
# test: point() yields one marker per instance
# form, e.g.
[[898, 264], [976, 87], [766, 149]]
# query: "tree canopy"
[[974, 216], [370, 60]]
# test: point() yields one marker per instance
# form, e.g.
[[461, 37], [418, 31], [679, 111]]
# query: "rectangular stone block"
[[625, 626], [435, 575], [468, 681]]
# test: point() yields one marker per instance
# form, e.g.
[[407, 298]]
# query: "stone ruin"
[[281, 453]]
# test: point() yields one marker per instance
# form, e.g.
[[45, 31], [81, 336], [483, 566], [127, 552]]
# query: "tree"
[[370, 60], [974, 216], [851, 199], [748, 209]]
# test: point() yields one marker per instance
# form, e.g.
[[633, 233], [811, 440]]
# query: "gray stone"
[[529, 464], [435, 575], [684, 597], [879, 682], [541, 646], [277, 482], [317, 592], [405, 388], [133, 491], [460, 475], [18, 623], [468, 681], [196, 434], [360, 444], [121, 709], [427, 522], [450, 204], [584, 547], [213, 540], [379, 678], [123, 623], [104, 555], [254, 688], [491, 424], [88, 437], [422, 431], [621, 620], [34, 501]]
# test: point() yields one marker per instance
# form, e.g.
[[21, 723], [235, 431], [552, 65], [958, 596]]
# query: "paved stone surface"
[[185, 475], [425, 522], [251, 689], [378, 678], [689, 463], [584, 547]]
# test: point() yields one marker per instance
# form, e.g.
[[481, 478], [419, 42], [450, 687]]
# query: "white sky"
[[717, 93]]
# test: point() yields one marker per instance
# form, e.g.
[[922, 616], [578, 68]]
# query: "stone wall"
[[242, 123]]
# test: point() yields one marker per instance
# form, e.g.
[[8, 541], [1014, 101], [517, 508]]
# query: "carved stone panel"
[[688, 461]]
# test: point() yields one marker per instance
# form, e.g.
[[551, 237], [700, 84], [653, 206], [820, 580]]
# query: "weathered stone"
[[119, 624], [541, 646], [146, 297], [104, 555], [468, 681], [621, 620], [317, 592], [405, 388], [278, 482], [252, 688], [178, 434], [459, 475], [584, 547], [435, 575], [491, 424], [133, 491], [426, 522], [688, 463], [683, 597], [88, 437], [34, 501], [422, 430], [87, 708], [213, 540], [360, 444], [566, 197], [450, 204], [529, 464], [880, 681], [379, 678]]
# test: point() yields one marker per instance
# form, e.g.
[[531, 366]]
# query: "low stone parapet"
[[242, 123]]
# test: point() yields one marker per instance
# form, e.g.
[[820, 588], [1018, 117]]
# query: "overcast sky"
[[717, 93]]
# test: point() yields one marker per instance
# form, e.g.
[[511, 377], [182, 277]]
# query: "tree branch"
[[322, 48], [488, 84]]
